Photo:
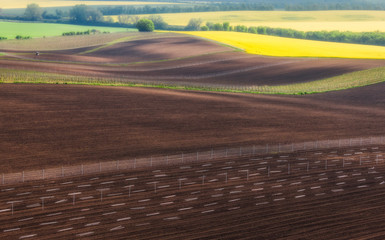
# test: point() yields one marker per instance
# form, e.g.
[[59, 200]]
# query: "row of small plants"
[[88, 32], [18, 37], [345, 81]]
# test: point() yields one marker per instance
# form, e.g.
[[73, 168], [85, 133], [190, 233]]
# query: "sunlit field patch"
[[288, 47]]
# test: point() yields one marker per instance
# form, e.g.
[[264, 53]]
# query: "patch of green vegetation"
[[38, 30], [345, 81], [106, 45]]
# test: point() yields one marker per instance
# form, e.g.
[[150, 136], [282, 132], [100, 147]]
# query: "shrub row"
[[370, 38], [19, 37], [88, 32]]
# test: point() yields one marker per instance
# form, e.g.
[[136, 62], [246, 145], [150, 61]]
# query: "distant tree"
[[134, 19], [127, 19], [33, 12], [79, 13], [47, 15], [261, 30], [109, 19], [145, 25], [204, 28], [158, 21], [226, 26], [94, 15], [124, 19], [218, 27], [240, 28], [210, 25], [194, 24], [59, 13], [253, 30]]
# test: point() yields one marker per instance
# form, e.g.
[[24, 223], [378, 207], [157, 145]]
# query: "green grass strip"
[[108, 44], [345, 81], [341, 82]]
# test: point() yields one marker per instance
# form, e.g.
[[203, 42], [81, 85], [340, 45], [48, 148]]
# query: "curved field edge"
[[345, 81], [290, 47]]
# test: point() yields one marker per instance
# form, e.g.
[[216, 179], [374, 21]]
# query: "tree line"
[[369, 38], [334, 6], [79, 13], [82, 13], [132, 10], [308, 5]]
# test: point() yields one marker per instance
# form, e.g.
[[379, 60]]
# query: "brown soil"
[[342, 201], [54, 125], [183, 60], [50, 125], [152, 49]]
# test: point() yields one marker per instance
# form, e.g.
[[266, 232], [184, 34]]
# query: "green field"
[[356, 21], [38, 30]]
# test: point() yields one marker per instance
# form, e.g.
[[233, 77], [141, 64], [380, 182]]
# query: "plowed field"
[[329, 194], [323, 194], [45, 125], [180, 59]]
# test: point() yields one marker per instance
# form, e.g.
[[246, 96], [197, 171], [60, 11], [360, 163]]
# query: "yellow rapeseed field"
[[63, 3], [289, 47]]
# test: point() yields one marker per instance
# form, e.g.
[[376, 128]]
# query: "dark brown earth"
[[324, 194], [342, 199], [152, 49], [51, 125], [182, 59], [48, 125]]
